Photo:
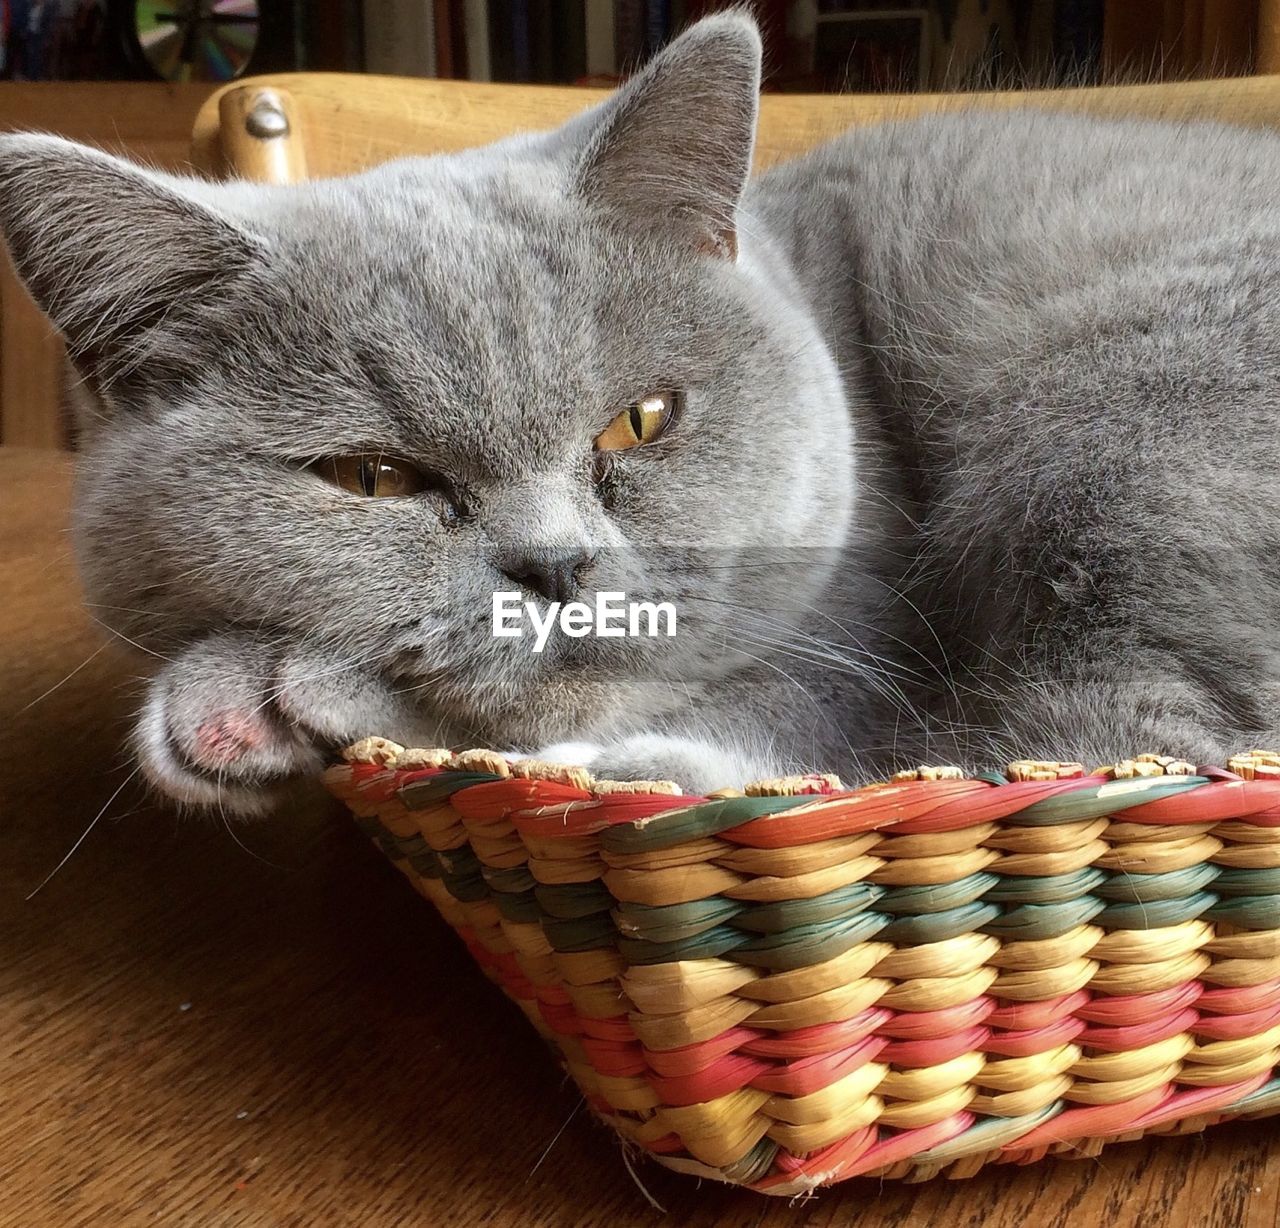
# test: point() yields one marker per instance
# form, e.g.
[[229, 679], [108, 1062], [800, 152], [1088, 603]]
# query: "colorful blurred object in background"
[[167, 40], [195, 40]]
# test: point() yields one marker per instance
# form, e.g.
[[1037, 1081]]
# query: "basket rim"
[[647, 816]]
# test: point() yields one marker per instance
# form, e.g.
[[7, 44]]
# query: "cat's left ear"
[[671, 151]]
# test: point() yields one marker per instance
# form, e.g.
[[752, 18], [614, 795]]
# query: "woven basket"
[[797, 985]]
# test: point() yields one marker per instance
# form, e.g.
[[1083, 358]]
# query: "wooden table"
[[201, 1027]]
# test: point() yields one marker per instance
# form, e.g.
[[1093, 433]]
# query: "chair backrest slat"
[[341, 123]]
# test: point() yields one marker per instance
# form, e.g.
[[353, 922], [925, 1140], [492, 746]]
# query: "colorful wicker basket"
[[797, 985]]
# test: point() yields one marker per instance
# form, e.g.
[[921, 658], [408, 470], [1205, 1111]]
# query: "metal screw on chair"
[[267, 119]]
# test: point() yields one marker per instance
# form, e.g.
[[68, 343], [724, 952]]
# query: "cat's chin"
[[568, 705]]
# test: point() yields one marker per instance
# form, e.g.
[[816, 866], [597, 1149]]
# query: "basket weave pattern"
[[799, 985]]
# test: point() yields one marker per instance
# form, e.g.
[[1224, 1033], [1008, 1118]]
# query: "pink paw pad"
[[227, 737]]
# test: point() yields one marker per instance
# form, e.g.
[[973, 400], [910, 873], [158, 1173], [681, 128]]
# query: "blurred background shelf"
[[810, 44]]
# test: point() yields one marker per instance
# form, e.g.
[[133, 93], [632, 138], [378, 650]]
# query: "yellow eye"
[[640, 423], [373, 475]]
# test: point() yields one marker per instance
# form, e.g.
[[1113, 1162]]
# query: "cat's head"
[[482, 319]]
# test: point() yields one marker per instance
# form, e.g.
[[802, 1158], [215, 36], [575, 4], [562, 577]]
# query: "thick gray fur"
[[978, 459]]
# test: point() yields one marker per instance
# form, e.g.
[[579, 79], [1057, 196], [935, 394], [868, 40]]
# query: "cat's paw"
[[234, 718], [698, 767], [210, 734]]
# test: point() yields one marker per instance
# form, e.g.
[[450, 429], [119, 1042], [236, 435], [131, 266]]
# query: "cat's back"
[[1068, 331], [1030, 199], [1004, 259]]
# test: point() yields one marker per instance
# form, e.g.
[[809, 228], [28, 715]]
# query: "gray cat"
[[952, 441]]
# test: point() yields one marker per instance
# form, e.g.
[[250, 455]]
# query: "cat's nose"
[[551, 572]]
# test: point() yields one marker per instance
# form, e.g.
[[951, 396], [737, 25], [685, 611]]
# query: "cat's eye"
[[373, 475], [640, 423]]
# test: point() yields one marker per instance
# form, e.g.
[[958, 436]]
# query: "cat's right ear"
[[116, 257]]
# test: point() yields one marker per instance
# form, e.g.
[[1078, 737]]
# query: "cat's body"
[[1066, 334], [976, 458]]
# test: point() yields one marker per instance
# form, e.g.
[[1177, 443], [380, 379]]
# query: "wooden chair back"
[[313, 125]]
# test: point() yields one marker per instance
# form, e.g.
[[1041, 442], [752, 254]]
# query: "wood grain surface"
[[1267, 58], [264, 1027]]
